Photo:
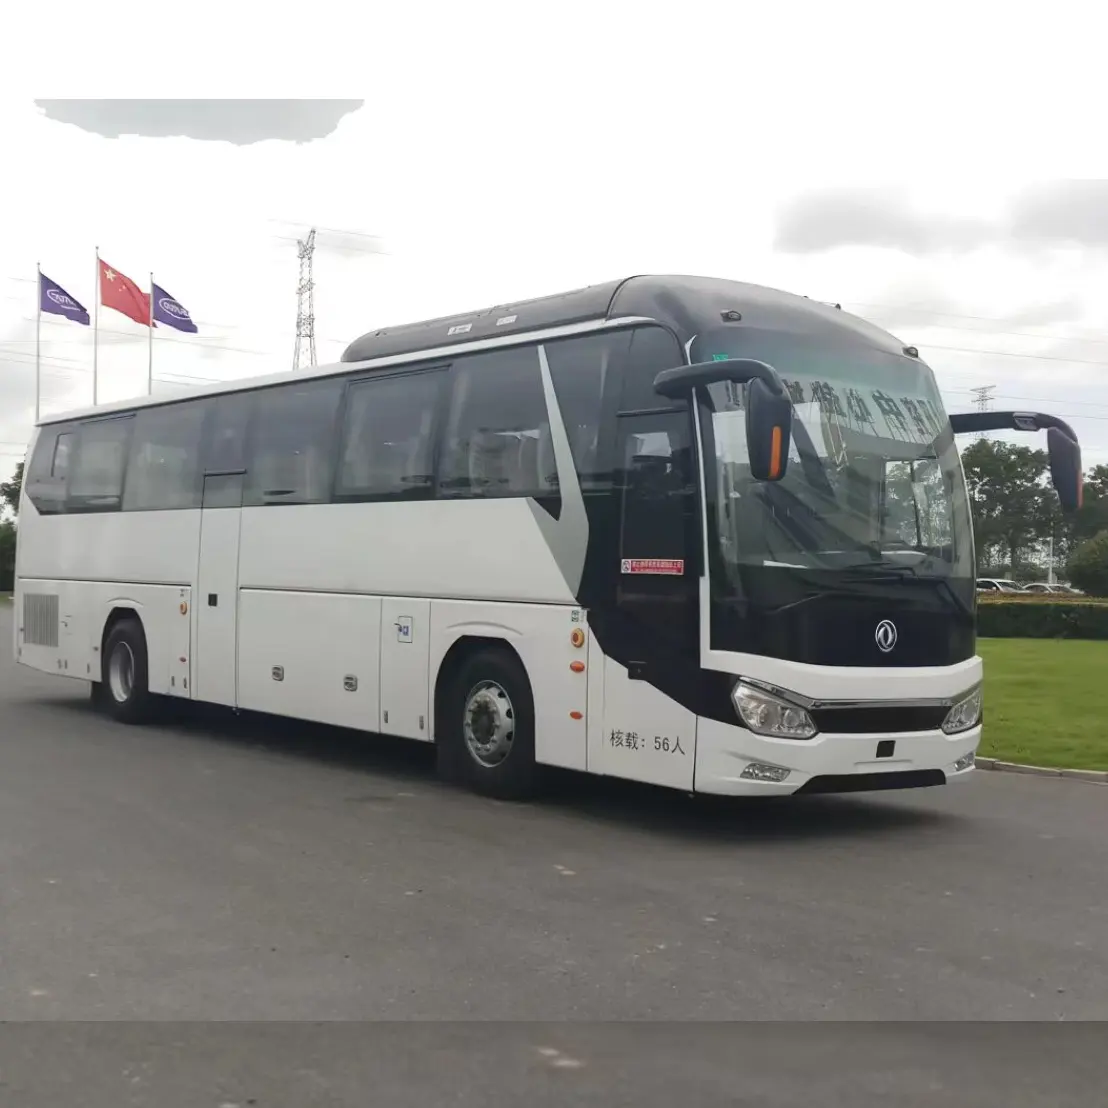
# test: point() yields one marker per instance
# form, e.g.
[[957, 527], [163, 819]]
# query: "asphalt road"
[[254, 869]]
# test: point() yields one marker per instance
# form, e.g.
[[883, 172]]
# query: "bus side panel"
[[646, 735], [478, 549], [60, 626], [144, 548], [165, 625], [310, 655], [542, 636]]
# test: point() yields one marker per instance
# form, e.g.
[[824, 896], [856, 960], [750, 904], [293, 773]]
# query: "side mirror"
[[769, 423], [1065, 452], [1065, 469], [769, 411]]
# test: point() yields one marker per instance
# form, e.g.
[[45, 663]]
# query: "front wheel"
[[488, 734], [124, 687]]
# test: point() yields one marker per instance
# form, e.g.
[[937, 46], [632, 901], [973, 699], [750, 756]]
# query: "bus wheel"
[[490, 727], [124, 688]]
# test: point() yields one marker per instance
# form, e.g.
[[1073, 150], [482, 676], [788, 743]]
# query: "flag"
[[54, 299], [171, 312], [122, 294]]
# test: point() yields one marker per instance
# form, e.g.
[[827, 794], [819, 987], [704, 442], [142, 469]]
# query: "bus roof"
[[686, 304], [681, 302]]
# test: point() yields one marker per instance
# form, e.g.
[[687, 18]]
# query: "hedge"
[[1045, 618]]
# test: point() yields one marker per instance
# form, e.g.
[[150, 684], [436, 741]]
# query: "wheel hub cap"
[[489, 725]]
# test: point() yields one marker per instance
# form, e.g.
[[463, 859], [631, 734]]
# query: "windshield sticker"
[[671, 567], [914, 419]]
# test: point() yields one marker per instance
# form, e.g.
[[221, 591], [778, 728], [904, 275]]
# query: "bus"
[[679, 530]]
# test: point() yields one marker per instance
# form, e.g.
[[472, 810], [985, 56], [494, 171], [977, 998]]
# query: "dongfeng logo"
[[885, 636], [172, 307], [60, 299]]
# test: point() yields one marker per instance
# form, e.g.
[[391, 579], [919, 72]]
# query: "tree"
[[1088, 567], [10, 490], [1092, 518], [7, 556], [1013, 509]]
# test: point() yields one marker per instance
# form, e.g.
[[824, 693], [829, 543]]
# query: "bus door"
[[649, 733], [216, 600]]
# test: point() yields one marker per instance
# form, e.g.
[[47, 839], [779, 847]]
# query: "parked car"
[[997, 584]]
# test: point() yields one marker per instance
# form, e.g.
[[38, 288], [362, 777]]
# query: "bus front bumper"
[[731, 761]]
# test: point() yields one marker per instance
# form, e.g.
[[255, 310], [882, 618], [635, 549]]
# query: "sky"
[[904, 165]]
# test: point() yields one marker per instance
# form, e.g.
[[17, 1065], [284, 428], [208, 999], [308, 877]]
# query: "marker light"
[[767, 714], [965, 714]]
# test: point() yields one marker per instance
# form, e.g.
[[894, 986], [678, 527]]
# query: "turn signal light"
[[577, 667]]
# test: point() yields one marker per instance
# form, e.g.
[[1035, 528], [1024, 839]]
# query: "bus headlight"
[[764, 713], [965, 714]]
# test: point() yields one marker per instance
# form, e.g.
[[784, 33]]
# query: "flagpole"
[[38, 340], [95, 324], [150, 359]]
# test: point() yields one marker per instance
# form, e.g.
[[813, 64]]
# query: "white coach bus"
[[680, 530]]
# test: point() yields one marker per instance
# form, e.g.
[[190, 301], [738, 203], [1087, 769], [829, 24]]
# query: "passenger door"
[[216, 599], [650, 732]]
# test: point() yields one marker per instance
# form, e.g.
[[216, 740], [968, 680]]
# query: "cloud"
[[241, 122], [1054, 214], [879, 217], [1062, 213]]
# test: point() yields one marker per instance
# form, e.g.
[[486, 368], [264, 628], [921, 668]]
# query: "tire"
[[488, 731], [124, 690]]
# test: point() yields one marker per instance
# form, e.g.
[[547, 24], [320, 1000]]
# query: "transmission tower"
[[304, 353], [983, 395]]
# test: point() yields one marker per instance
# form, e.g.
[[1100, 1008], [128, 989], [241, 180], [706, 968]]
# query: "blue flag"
[[171, 312], [54, 299]]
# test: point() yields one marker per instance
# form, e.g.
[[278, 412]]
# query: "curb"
[[1095, 776]]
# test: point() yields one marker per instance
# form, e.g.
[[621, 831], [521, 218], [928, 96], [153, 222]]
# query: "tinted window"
[[658, 565], [582, 370], [388, 436], [292, 434], [59, 466], [97, 467], [163, 470], [652, 350], [48, 468], [658, 485], [497, 440], [226, 447]]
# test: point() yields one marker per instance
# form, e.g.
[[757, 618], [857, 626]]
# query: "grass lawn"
[[1046, 702]]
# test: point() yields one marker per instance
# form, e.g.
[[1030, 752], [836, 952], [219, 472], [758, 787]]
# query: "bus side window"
[[652, 349], [163, 471], [388, 437], [584, 371], [49, 469], [98, 465], [497, 440], [291, 439], [225, 439]]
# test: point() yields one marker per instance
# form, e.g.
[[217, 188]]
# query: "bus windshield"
[[874, 481]]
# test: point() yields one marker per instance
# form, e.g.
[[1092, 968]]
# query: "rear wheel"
[[488, 734], [124, 688]]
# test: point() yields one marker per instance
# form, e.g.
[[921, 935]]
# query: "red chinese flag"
[[122, 294]]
